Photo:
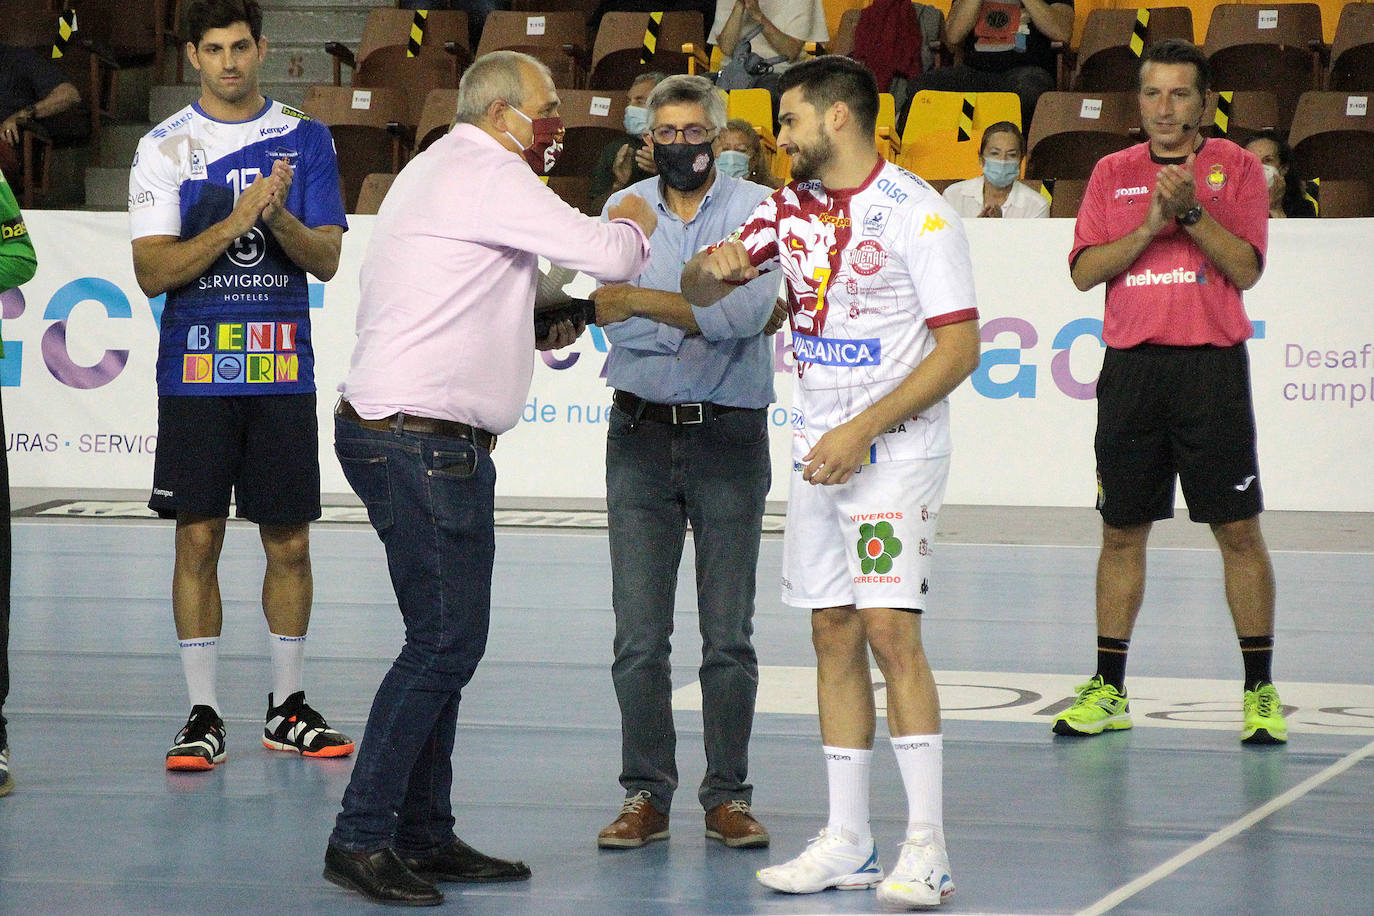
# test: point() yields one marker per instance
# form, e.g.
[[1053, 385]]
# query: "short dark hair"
[[1002, 127], [1178, 51], [204, 15], [833, 78]]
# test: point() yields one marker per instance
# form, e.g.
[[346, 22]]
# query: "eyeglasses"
[[664, 135]]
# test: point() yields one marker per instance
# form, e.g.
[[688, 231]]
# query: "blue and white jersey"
[[243, 326]]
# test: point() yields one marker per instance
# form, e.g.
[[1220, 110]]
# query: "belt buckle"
[[688, 419]]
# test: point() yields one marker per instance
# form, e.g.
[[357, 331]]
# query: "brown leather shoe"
[[639, 823], [734, 825]]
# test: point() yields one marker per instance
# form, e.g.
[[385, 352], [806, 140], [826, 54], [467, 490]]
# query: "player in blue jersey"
[[232, 201]]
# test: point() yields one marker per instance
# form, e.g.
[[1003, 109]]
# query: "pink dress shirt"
[[445, 326]]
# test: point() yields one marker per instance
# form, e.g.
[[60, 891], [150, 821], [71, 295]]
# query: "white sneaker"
[[831, 859], [921, 877]]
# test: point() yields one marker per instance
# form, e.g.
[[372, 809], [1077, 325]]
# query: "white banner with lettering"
[[80, 342]]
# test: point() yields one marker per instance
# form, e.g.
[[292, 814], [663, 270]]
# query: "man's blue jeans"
[[431, 500], [658, 477]]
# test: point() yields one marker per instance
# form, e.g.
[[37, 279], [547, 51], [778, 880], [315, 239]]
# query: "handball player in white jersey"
[[884, 327]]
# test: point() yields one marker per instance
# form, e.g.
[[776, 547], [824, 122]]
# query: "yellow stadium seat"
[[944, 129]]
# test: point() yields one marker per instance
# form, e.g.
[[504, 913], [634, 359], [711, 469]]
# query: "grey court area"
[[1172, 817]]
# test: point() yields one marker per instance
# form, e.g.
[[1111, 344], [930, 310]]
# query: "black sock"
[[1258, 654], [1111, 661]]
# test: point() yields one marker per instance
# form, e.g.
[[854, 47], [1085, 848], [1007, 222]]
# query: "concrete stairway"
[[296, 32]]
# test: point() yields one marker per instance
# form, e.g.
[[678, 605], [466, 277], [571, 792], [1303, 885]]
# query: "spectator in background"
[[31, 89], [629, 159], [17, 266], [998, 193], [1006, 48], [739, 154], [1288, 195], [767, 36]]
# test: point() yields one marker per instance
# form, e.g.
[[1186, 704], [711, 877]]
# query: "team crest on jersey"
[[1216, 178], [867, 257], [200, 167], [289, 156], [876, 220]]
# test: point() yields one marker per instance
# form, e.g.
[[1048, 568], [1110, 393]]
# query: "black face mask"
[[685, 166]]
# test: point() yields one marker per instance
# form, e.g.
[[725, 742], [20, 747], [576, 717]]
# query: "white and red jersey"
[[870, 270], [1173, 294]]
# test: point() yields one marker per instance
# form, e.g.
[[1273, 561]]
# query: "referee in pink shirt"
[[442, 366]]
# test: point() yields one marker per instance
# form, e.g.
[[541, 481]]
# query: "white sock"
[[847, 771], [288, 663], [199, 658], [921, 761]]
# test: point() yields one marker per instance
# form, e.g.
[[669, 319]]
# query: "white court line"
[[1278, 802]]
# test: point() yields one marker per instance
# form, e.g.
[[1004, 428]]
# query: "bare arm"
[[1232, 255], [1054, 20], [962, 17], [315, 250], [840, 451], [729, 33], [708, 278], [618, 301], [165, 262], [786, 45]]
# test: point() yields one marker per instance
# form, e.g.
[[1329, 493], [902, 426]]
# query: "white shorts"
[[867, 542]]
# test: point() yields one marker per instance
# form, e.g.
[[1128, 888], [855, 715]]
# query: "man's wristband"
[[1189, 217]]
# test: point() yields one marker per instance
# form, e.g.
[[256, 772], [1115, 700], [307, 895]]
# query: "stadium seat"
[[1273, 46], [1352, 49], [592, 118], [559, 39], [628, 44], [836, 11], [369, 129], [885, 127], [944, 129], [373, 191], [575, 190], [1072, 130], [1333, 135], [1108, 58], [1238, 116], [1337, 199], [411, 50], [436, 117], [1065, 195], [756, 107]]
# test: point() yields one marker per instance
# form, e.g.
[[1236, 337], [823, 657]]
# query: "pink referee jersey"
[[1173, 294], [445, 321]]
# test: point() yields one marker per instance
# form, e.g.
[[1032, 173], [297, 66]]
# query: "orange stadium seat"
[[1072, 130], [1352, 49], [1272, 46], [944, 129], [558, 38], [368, 126], [628, 44]]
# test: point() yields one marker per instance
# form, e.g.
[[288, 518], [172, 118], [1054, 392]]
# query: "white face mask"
[[733, 162], [1271, 175]]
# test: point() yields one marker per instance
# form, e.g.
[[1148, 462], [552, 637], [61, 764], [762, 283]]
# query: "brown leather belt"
[[405, 422], [675, 414]]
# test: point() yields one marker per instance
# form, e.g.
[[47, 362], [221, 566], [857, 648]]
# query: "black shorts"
[[1185, 411], [265, 449]]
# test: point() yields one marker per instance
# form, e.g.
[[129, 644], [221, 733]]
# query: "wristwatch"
[[1189, 217]]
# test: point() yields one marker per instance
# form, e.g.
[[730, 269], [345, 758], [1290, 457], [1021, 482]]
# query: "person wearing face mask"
[[628, 159], [739, 154], [997, 193], [687, 440], [1288, 195], [442, 365]]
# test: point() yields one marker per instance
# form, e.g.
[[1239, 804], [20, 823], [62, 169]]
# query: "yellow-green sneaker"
[[1099, 707], [1263, 717]]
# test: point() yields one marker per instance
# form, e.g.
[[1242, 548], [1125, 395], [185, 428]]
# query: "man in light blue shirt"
[[688, 441]]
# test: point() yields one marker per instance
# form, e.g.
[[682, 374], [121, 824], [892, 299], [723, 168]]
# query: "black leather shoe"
[[379, 876], [460, 862]]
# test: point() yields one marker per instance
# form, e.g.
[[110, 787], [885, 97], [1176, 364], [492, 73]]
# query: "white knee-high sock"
[[199, 661], [847, 772], [288, 664], [921, 761]]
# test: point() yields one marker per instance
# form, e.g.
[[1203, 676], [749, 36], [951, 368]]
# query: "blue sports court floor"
[[1172, 817]]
